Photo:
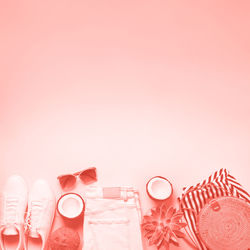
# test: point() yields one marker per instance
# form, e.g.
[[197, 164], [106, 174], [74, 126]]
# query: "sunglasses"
[[87, 176]]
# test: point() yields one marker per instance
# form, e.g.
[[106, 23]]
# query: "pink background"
[[135, 88]]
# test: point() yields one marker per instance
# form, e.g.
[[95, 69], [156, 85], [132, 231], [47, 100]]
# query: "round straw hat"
[[224, 224]]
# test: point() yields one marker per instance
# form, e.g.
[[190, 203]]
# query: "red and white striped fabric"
[[193, 199]]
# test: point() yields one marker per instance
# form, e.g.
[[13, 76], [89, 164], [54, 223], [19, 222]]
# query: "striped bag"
[[193, 199]]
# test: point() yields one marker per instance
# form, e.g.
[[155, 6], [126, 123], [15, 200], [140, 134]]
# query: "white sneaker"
[[41, 209], [12, 209]]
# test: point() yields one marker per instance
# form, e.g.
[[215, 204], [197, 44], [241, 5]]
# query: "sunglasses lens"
[[67, 181], [88, 176]]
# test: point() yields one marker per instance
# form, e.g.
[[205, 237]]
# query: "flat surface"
[[134, 88]]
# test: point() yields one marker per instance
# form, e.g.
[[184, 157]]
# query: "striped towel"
[[193, 199]]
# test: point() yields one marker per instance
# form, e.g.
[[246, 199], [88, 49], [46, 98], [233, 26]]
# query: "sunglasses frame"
[[77, 175]]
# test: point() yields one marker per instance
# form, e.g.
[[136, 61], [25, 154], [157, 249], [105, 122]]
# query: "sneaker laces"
[[34, 215], [11, 210]]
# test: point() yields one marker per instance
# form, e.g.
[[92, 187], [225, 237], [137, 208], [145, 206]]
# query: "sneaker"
[[41, 209], [12, 210]]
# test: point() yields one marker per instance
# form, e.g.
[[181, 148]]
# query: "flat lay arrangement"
[[124, 125], [213, 214]]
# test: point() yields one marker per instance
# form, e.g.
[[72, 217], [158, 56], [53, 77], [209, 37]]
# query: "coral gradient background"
[[135, 88]]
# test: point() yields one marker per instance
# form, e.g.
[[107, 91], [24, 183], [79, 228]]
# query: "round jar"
[[70, 205]]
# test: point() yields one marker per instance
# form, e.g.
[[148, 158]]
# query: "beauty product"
[[70, 205], [159, 188]]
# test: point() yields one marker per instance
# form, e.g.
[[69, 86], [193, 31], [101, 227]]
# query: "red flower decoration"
[[163, 226]]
